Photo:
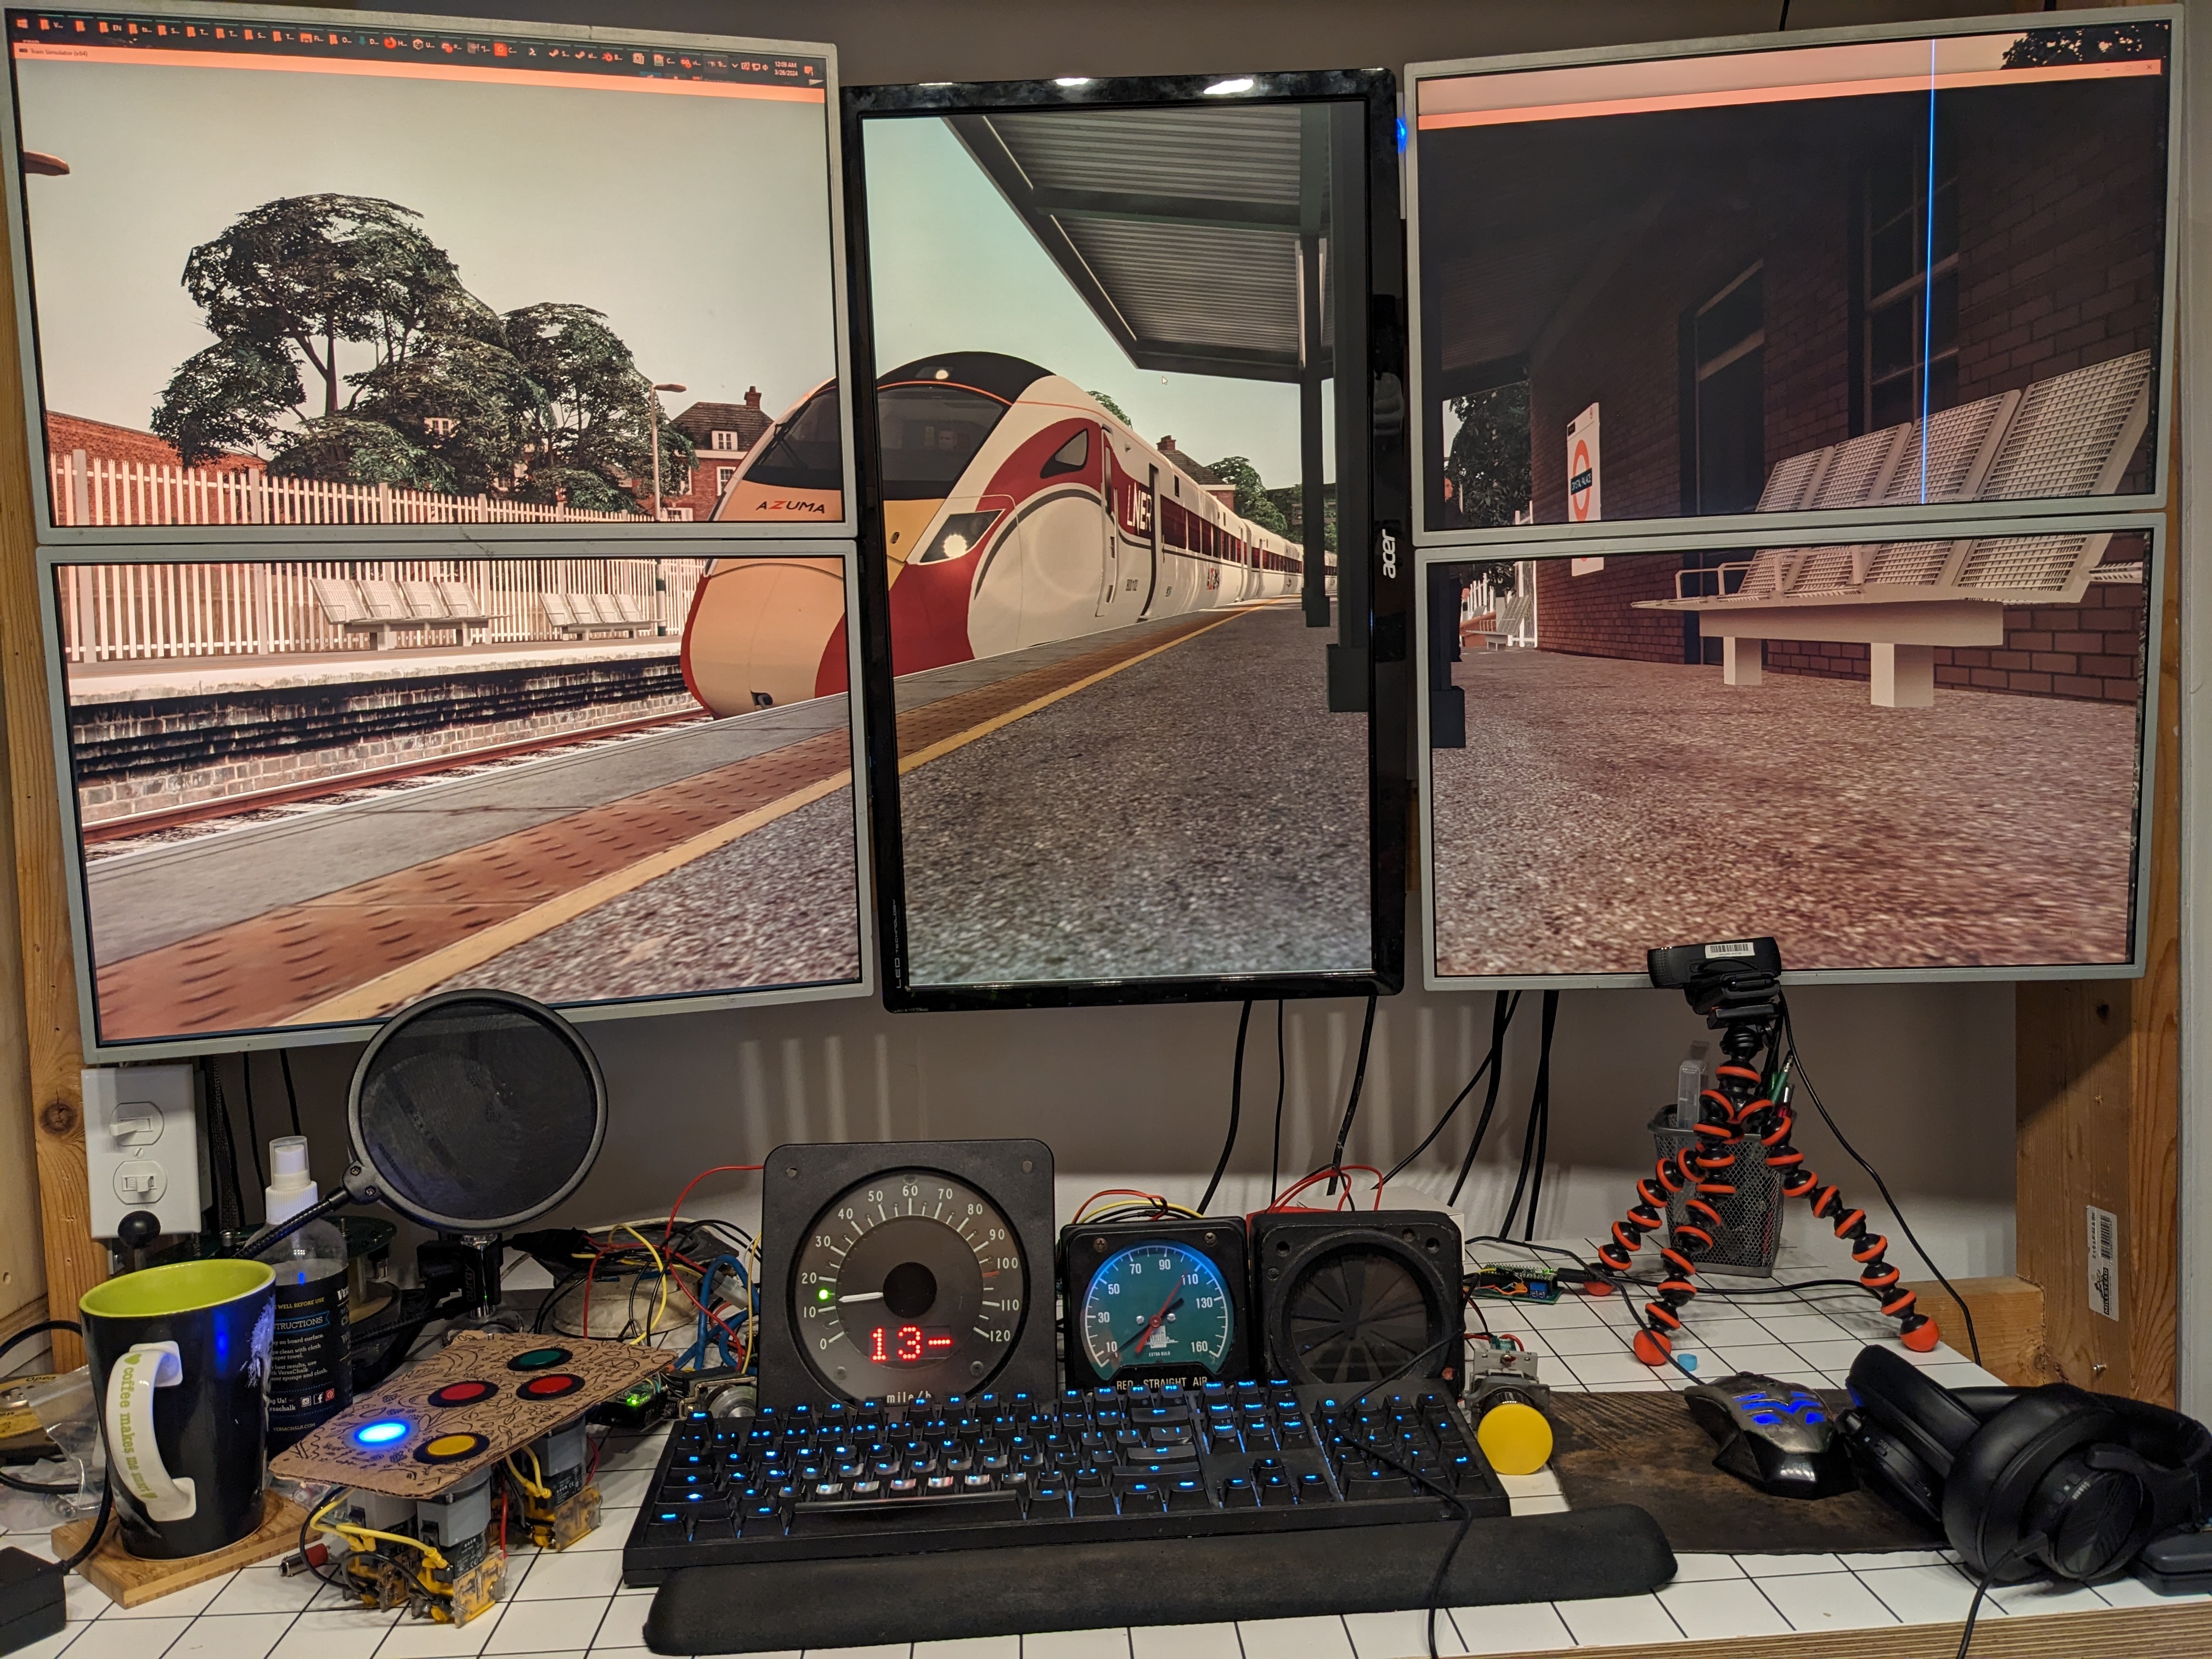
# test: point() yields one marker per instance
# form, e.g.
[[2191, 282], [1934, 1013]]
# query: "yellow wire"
[[1153, 1198], [534, 1482], [752, 1304], [352, 1533], [659, 1267]]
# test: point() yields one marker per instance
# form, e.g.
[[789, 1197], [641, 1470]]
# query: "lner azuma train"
[[1016, 511]]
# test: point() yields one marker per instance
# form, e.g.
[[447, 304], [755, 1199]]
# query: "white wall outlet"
[[142, 1146]]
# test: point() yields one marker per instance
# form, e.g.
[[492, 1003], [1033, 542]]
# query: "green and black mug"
[[180, 1358]]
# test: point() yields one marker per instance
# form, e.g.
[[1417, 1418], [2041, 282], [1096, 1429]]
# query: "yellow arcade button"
[[1515, 1437], [459, 1445]]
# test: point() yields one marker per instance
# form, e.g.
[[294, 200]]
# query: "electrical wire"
[[1501, 1019], [1465, 1516], [291, 1094], [1352, 1101], [96, 1536], [252, 1127], [659, 1267], [1489, 1060], [1795, 1063], [1236, 1109], [1536, 1139], [1275, 1153]]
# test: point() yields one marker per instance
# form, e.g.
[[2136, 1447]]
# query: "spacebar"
[[949, 1508]]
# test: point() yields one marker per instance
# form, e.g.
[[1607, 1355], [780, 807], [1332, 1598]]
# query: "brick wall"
[[1592, 616], [104, 442]]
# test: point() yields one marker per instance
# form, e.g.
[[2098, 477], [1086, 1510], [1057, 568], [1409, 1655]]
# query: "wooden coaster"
[[130, 1581]]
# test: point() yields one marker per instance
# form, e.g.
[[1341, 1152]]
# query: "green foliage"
[[544, 403], [1289, 500], [2095, 43], [1114, 409], [1487, 473], [1253, 501]]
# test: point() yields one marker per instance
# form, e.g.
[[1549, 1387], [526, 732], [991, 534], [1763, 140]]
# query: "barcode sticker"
[[2104, 1262], [1735, 947]]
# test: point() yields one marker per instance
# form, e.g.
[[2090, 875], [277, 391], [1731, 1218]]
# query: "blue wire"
[[1928, 284]]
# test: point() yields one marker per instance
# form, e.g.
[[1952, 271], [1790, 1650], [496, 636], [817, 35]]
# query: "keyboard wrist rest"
[[767, 1607]]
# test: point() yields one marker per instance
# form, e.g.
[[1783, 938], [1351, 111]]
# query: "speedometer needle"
[[1153, 1325], [862, 1296]]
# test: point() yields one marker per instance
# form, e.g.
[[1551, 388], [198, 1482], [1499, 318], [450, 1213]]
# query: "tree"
[[467, 405], [2097, 43], [1113, 408], [1486, 473], [232, 395], [1253, 501], [592, 419], [365, 452]]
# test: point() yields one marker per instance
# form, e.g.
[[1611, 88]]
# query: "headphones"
[[2025, 1482]]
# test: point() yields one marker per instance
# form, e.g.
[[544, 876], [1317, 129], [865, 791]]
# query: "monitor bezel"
[[76, 873], [49, 532], [2154, 526], [1389, 572], [1898, 523]]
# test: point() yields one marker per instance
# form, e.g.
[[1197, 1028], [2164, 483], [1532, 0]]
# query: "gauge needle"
[[862, 1296], [1153, 1325]]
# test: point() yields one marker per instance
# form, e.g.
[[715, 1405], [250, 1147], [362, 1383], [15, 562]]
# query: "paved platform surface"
[[1602, 807]]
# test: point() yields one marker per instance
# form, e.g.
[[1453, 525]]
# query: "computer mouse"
[[1774, 1435]]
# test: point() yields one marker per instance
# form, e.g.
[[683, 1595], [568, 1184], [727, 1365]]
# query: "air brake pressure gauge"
[[1154, 1299]]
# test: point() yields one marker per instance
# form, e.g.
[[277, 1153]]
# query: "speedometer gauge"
[[909, 1281], [1154, 1299]]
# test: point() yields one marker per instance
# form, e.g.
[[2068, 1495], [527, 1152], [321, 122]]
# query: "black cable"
[[1489, 1060], [291, 1094], [306, 1520], [222, 1156], [2025, 1547], [1784, 23], [1275, 1154], [1501, 1018], [1351, 1102], [252, 1127], [1543, 1111], [43, 1325], [1236, 1109], [1797, 1065], [1466, 1514], [1574, 1256], [93, 1539]]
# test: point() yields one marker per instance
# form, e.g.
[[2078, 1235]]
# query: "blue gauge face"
[[1157, 1305]]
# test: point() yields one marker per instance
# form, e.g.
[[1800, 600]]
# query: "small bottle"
[[1689, 1083], [311, 1364]]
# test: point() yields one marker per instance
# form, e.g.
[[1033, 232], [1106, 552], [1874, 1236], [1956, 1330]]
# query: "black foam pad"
[[763, 1607]]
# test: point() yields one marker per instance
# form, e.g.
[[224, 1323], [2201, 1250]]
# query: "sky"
[[700, 226], [954, 268]]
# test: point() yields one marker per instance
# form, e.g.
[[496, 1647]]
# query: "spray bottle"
[[311, 1366]]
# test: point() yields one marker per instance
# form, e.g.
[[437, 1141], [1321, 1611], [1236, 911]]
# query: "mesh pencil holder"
[[1751, 1217]]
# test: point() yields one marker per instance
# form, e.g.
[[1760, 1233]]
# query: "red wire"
[[676, 1208], [1343, 1202], [1155, 1200]]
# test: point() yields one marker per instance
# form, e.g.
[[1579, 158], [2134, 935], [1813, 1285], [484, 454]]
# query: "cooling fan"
[[1352, 1300]]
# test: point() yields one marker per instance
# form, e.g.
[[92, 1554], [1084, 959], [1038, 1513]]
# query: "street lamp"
[[652, 402]]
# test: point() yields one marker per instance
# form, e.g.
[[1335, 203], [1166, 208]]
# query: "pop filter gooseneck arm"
[[354, 1189]]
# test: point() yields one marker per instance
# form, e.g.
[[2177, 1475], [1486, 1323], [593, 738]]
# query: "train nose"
[[761, 633]]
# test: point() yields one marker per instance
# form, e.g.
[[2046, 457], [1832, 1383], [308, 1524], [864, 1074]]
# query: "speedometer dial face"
[[1158, 1304], [910, 1282]]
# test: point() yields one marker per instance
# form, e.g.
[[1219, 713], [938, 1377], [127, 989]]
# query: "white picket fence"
[[88, 490], [152, 613]]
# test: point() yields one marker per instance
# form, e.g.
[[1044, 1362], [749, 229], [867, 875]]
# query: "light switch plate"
[[142, 1146]]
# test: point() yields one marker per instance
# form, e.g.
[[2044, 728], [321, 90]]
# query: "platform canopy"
[[1187, 232]]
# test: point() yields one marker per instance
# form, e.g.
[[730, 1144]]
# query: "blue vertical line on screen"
[[1928, 281]]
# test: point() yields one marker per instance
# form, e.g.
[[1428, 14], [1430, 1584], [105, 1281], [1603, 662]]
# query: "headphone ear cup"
[[1996, 1494], [1894, 1393], [1890, 1467]]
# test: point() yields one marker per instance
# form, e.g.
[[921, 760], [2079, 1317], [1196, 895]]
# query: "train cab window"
[[1071, 456], [929, 436], [808, 450]]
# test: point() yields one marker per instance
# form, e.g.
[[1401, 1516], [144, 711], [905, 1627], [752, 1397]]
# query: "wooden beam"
[[75, 1261], [2099, 1091], [2183, 1631], [2007, 1324]]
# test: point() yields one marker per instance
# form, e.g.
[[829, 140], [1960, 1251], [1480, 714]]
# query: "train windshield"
[[807, 452], [930, 433]]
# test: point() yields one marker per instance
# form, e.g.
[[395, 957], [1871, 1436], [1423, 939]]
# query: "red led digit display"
[[908, 1345]]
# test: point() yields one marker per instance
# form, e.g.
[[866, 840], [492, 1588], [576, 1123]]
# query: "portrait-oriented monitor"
[[299, 275], [1139, 740], [1913, 759], [1895, 276], [302, 792]]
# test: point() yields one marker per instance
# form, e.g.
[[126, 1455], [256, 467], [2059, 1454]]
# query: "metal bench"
[[2073, 435], [381, 608], [580, 615]]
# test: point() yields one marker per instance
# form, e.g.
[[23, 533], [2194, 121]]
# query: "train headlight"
[[960, 535]]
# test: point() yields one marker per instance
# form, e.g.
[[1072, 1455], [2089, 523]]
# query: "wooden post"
[[2098, 1083], [75, 1261]]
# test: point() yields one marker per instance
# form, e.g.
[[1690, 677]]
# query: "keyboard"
[[1092, 1466]]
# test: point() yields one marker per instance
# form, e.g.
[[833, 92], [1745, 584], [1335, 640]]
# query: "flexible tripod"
[[1737, 1119]]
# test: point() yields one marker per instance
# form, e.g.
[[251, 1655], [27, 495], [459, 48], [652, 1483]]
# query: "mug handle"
[[133, 1454]]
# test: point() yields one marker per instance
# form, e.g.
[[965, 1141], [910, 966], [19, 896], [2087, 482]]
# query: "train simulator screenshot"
[[1877, 276], [360, 273], [306, 794], [1924, 756], [1112, 611]]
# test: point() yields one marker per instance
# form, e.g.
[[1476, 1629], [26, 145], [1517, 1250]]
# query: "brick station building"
[[1742, 285], [722, 435]]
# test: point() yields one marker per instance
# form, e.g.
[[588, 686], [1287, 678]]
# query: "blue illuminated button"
[[382, 1432]]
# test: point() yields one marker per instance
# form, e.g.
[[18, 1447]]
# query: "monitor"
[[293, 275], [1134, 453], [303, 791], [1918, 759], [1901, 276]]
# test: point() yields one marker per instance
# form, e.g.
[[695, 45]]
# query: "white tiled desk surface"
[[573, 1604]]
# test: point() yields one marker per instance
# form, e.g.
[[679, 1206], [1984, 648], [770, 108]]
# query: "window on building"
[[1727, 338], [725, 440], [1909, 335], [440, 425], [722, 477]]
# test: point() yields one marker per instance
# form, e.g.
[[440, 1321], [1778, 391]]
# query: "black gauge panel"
[[1154, 1299]]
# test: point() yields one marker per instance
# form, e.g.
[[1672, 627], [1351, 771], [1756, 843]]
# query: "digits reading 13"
[[1157, 1305]]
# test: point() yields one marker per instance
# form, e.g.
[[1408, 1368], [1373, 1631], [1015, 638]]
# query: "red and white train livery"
[[1016, 511]]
